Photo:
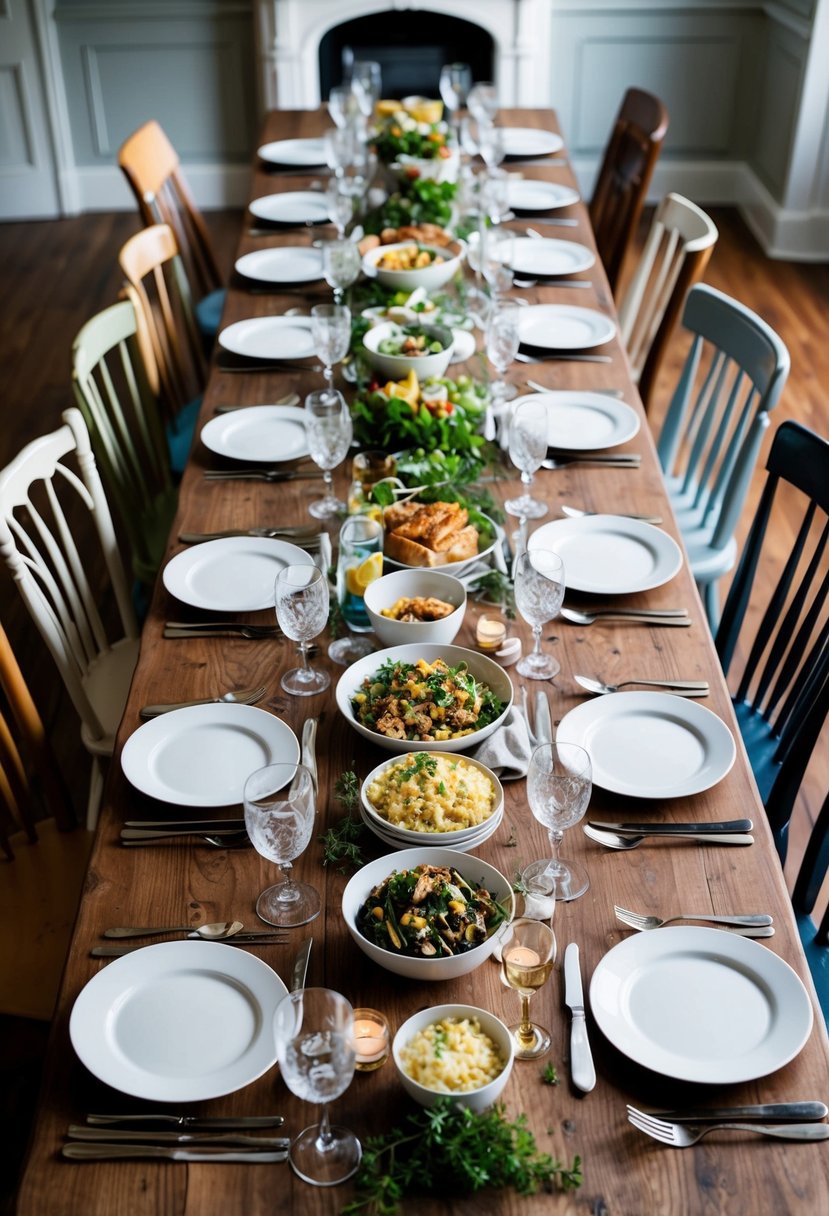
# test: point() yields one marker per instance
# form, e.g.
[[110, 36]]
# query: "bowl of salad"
[[428, 913], [425, 696], [392, 349], [405, 265]]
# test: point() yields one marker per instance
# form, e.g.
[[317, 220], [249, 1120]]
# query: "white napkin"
[[507, 751]]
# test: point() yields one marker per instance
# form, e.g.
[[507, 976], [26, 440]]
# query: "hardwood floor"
[[57, 274]]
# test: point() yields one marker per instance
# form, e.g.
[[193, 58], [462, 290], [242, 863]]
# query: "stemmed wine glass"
[[528, 952], [340, 144], [454, 86], [502, 342], [365, 85], [539, 592], [340, 265], [301, 601], [528, 430], [331, 335], [340, 203], [340, 105], [329, 431], [559, 783], [314, 1032], [498, 256], [483, 101], [279, 818]]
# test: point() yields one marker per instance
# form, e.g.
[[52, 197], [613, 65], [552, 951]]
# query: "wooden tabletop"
[[624, 1172]]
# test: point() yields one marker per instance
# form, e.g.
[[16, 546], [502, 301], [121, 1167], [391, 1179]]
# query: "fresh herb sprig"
[[451, 1149], [341, 844], [549, 1076]]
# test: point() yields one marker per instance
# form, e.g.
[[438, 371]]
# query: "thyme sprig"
[[341, 843]]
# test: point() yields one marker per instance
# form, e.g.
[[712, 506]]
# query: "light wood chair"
[[158, 289], [679, 244], [46, 860], [41, 500], [113, 393], [622, 184], [152, 168]]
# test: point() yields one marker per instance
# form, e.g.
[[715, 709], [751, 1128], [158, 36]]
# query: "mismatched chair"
[[810, 878], [679, 244], [42, 498], [152, 168], [624, 176], [710, 439], [782, 698]]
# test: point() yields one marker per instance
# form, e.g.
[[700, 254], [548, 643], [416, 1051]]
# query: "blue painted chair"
[[782, 699], [810, 878], [710, 439], [152, 168]]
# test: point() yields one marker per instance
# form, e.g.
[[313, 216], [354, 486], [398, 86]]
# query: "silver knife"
[[109, 1135], [196, 538], [239, 939], [308, 754], [300, 967], [191, 825], [778, 1111], [123, 1152], [542, 721], [581, 1060], [674, 829], [195, 1122]]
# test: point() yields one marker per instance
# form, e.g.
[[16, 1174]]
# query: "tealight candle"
[[490, 632], [370, 1039]]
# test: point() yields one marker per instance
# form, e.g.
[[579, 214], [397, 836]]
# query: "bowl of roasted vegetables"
[[416, 606], [392, 350], [425, 697], [428, 913], [412, 263]]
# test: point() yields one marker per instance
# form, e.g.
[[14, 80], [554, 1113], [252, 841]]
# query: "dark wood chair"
[[622, 184], [805, 896]]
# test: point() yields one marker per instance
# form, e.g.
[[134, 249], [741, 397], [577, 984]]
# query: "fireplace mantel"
[[290, 32]]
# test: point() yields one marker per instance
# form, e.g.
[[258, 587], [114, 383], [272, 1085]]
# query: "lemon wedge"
[[369, 570]]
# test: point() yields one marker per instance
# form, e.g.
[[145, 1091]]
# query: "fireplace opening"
[[411, 48]]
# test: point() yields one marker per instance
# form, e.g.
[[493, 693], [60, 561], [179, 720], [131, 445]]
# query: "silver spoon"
[[214, 932], [683, 688], [612, 840]]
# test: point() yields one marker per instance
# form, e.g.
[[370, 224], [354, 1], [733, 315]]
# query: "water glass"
[[341, 263], [528, 954], [365, 85], [301, 602], [539, 593], [498, 255], [528, 430], [314, 1033], [454, 86], [340, 104], [331, 335], [279, 818], [483, 101], [496, 194], [340, 205], [502, 341], [559, 784], [339, 149], [359, 563], [329, 431]]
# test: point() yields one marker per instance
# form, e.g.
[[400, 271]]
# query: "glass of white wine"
[[528, 952]]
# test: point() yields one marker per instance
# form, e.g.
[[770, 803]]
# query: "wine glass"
[[340, 204], [559, 783], [498, 256], [339, 149], [539, 592], [528, 952], [279, 818], [359, 563], [502, 341], [454, 86], [314, 1032], [331, 335], [491, 144], [365, 85], [528, 430], [496, 194], [301, 601], [483, 101], [341, 263], [329, 431], [340, 103]]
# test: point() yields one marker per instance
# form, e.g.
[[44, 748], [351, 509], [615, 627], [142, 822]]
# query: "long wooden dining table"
[[189, 882]]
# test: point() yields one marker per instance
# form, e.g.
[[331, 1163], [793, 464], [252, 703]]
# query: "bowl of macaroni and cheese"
[[454, 1049]]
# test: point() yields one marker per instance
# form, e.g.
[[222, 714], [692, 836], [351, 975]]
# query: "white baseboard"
[[212, 186]]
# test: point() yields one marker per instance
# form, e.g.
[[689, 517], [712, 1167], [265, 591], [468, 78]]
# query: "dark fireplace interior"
[[411, 48]]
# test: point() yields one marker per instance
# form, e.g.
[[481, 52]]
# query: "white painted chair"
[[40, 499], [678, 246]]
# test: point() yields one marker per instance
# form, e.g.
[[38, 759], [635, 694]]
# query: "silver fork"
[[637, 920], [243, 696], [679, 1136]]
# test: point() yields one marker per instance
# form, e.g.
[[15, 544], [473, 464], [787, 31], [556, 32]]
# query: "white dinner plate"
[[304, 152], [610, 554], [201, 756], [529, 195], [260, 432], [650, 744], [178, 1021], [269, 338], [292, 207], [463, 346], [585, 421], [564, 327], [700, 1005], [433, 839], [549, 256], [282, 264], [233, 574], [530, 141]]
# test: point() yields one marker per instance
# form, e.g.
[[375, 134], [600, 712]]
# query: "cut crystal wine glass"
[[331, 335], [329, 430], [301, 602], [279, 818], [539, 593], [559, 784]]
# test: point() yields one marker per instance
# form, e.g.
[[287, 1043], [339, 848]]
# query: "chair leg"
[[96, 789], [711, 600]]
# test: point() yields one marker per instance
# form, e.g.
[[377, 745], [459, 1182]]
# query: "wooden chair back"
[[782, 697], [810, 881], [622, 183], [678, 246]]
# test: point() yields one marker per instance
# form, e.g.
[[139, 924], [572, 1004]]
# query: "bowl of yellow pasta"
[[454, 1049]]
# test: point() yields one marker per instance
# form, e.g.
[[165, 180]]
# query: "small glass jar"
[[367, 468]]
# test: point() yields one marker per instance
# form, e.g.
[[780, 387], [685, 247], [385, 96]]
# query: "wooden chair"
[[810, 879], [152, 168], [679, 244], [710, 439], [622, 184], [782, 699], [158, 289], [46, 860], [41, 498], [113, 393]]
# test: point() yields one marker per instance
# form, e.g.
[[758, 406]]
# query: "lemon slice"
[[368, 570], [351, 584]]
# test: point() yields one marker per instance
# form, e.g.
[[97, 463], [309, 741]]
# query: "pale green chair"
[[710, 440]]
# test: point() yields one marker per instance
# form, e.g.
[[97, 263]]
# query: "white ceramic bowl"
[[411, 838], [482, 668], [397, 367], [476, 1099], [431, 277], [471, 868], [386, 591], [453, 567]]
